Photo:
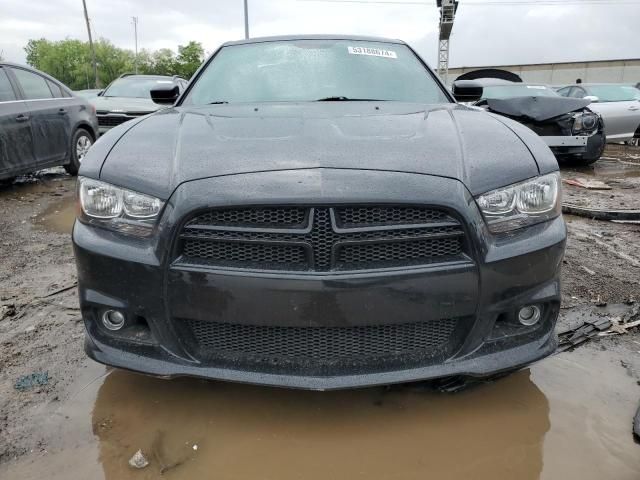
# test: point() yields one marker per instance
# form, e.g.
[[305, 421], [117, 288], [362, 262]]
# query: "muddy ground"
[[568, 416]]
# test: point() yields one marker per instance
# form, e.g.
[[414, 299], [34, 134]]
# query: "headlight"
[[585, 122], [117, 208], [521, 204]]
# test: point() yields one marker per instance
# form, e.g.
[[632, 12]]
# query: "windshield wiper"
[[347, 99], [219, 102]]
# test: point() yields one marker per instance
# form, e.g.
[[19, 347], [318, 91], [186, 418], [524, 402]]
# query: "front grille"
[[322, 350], [278, 217], [107, 120], [365, 216], [112, 121], [257, 255], [321, 239]]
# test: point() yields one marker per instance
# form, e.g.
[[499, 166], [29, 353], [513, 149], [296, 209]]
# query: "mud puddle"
[[567, 417], [58, 217], [54, 192], [618, 172]]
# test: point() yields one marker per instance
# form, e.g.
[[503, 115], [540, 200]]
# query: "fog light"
[[113, 320], [529, 315]]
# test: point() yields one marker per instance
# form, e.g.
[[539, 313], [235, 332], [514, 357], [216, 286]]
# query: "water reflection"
[[245, 432]]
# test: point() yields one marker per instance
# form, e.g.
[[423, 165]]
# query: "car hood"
[[124, 104], [156, 154], [537, 109]]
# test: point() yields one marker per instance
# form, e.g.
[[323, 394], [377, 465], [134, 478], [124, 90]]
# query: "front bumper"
[[141, 278], [566, 141]]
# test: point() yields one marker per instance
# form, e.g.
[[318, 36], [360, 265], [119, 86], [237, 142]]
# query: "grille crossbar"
[[321, 238]]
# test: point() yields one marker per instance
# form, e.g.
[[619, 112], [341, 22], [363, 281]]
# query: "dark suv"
[[41, 123], [127, 97]]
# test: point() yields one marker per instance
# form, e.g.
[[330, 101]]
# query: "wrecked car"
[[572, 130], [318, 212], [42, 124]]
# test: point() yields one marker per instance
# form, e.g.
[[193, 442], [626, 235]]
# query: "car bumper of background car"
[[566, 141], [470, 304]]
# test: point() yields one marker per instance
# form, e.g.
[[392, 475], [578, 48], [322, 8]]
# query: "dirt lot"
[[568, 416]]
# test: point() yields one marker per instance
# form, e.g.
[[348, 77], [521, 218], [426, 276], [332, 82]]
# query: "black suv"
[[41, 123]]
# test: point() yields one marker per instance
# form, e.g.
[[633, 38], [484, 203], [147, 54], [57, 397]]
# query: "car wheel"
[[80, 144], [7, 182]]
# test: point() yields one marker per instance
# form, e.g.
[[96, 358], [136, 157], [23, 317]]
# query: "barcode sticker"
[[372, 52]]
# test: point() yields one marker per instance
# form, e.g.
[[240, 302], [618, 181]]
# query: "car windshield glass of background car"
[[302, 71], [512, 91], [614, 93], [134, 87]]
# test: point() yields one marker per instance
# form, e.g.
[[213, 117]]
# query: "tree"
[[190, 57], [69, 60], [163, 62], [64, 60]]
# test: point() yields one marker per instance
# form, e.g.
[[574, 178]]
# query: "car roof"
[[284, 38], [597, 84], [46, 75], [493, 82], [136, 75]]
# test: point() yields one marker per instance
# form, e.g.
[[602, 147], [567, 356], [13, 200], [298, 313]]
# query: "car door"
[[16, 143], [621, 119], [50, 121]]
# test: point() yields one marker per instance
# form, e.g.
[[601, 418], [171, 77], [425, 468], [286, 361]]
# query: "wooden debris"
[[587, 183], [61, 290], [582, 332]]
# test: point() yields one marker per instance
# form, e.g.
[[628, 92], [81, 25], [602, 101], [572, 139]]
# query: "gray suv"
[[41, 123], [127, 98]]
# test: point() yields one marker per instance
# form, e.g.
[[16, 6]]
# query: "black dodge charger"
[[318, 212]]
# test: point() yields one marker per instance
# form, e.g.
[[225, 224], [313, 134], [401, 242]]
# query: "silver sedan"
[[618, 104]]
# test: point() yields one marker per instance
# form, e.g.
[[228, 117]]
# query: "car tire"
[[7, 182], [81, 141]]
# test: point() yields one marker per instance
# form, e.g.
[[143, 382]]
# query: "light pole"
[[246, 19], [93, 51], [135, 33]]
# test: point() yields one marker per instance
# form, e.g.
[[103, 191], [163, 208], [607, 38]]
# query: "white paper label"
[[372, 52]]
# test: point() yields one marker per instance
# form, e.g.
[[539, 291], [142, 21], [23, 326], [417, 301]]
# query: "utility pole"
[[246, 19], [135, 32], [93, 51], [447, 15]]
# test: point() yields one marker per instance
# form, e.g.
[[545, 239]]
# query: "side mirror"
[[165, 95], [100, 93], [593, 98], [467, 90]]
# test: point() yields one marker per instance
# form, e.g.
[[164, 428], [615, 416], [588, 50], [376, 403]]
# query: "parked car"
[[127, 98], [618, 104], [89, 93], [318, 212], [568, 126], [41, 123]]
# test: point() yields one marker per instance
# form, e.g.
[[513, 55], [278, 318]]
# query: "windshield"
[[309, 70], [134, 87], [614, 93], [511, 91]]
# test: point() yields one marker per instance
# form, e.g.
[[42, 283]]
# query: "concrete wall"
[[616, 71]]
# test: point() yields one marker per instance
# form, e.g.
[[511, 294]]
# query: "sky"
[[486, 32]]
